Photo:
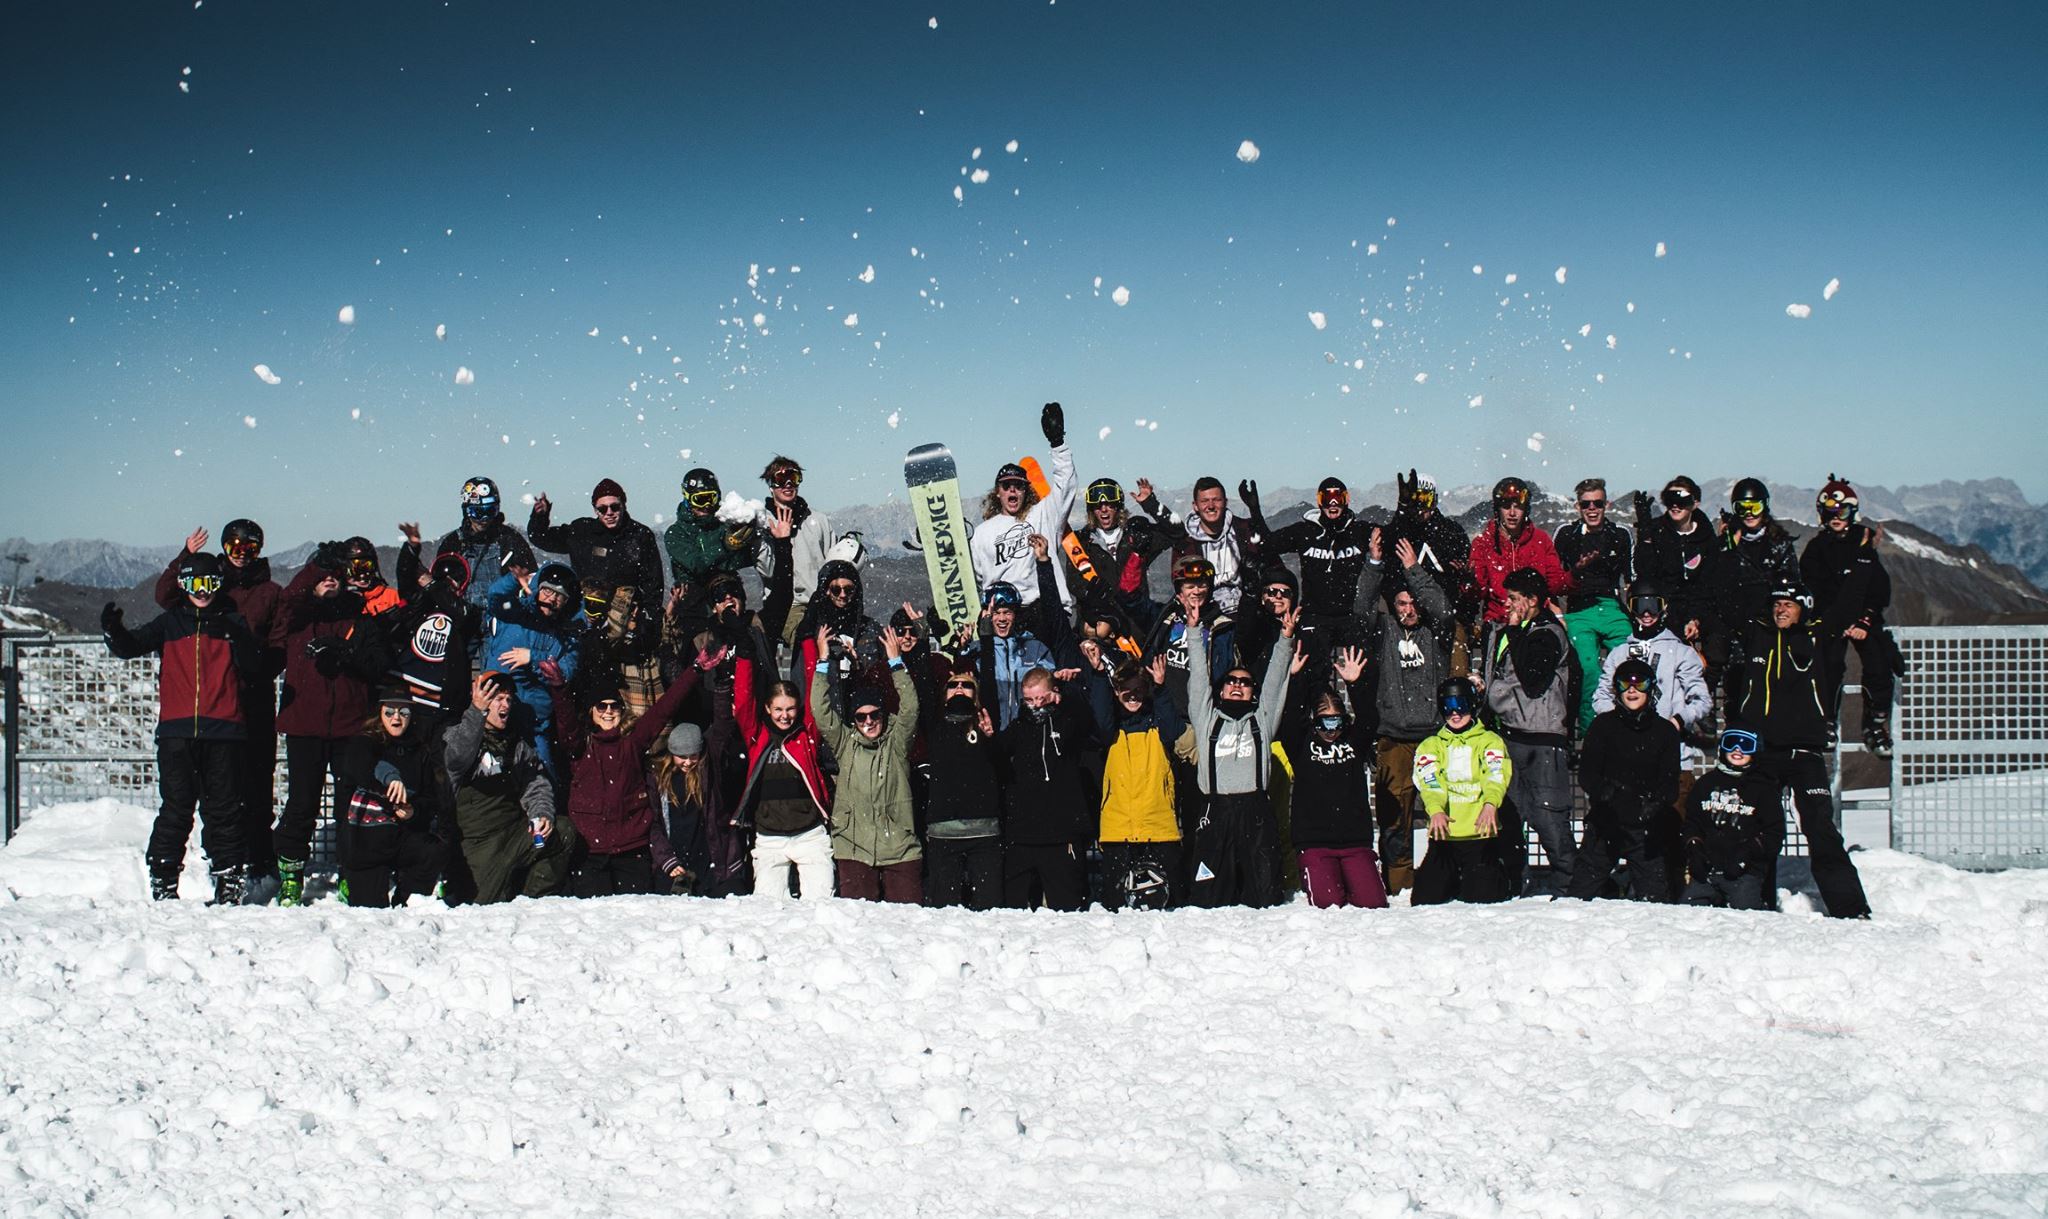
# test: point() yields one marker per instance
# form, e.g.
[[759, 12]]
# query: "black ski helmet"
[[1750, 491], [700, 489], [1635, 671], [1645, 599], [559, 577], [1455, 696], [1104, 491], [1510, 491], [241, 529], [480, 499], [197, 563]]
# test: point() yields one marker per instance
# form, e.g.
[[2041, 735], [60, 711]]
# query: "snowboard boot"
[[291, 882], [227, 886], [163, 879], [1877, 734]]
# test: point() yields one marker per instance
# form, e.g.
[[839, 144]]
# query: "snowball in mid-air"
[[1102, 433], [266, 376], [851, 319], [1316, 319], [867, 276], [933, 24], [1510, 277], [1248, 152], [1477, 400], [1799, 311], [1560, 275], [1535, 443], [1010, 147], [464, 377], [441, 330], [978, 177], [760, 320], [1660, 249], [1121, 296], [355, 412], [959, 195], [1828, 293], [895, 419], [1610, 342], [347, 316], [248, 421], [1477, 269], [1421, 378]]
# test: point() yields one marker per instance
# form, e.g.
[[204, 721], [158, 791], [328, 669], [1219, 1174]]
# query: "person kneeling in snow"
[[512, 843], [1629, 769], [1731, 828], [1461, 773]]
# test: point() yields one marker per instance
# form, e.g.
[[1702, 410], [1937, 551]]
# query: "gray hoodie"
[[1410, 662], [1233, 752]]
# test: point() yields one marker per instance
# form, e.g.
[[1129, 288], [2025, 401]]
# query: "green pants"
[[1595, 631], [505, 864]]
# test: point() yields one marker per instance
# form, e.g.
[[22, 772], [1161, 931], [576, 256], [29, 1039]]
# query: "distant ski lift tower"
[[14, 584]]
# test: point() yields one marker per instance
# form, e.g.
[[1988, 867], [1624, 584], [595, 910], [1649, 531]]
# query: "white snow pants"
[[810, 852]]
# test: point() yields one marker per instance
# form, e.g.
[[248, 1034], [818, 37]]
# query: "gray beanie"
[[685, 741]]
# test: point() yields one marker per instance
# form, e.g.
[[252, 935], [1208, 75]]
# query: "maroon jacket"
[[608, 801], [331, 705], [200, 657], [255, 596]]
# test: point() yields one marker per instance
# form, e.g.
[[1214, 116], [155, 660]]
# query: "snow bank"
[[709, 1058]]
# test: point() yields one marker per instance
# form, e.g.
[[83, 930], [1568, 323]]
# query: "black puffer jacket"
[[606, 558], [1332, 554], [1050, 801], [1755, 563], [1687, 568], [1846, 576], [1629, 764]]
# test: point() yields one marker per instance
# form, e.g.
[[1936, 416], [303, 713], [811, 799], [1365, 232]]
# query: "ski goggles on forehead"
[[1740, 740], [787, 476], [701, 499], [203, 585], [1750, 507]]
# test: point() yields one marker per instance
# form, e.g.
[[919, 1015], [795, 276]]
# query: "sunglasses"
[[867, 717], [1012, 484], [1131, 696], [1277, 592], [839, 588], [609, 507], [242, 548], [1237, 679], [1425, 499], [1329, 723], [968, 686], [202, 585], [396, 712], [1592, 503], [1102, 495], [596, 603], [1510, 501], [702, 499], [786, 477], [607, 704]]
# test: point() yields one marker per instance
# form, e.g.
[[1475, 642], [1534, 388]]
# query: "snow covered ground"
[[637, 1056]]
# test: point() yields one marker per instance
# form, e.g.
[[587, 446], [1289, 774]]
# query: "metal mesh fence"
[[1970, 776]]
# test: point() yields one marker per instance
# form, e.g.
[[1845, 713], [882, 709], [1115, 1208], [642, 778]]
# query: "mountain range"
[[1959, 552]]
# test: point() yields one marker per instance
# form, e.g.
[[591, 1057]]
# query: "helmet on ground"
[[1837, 500], [1455, 696]]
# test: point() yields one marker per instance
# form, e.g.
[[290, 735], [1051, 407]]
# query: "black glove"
[[325, 652], [1053, 422], [1248, 491], [110, 618], [1642, 511]]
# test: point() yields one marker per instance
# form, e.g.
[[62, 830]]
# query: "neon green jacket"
[[1458, 772]]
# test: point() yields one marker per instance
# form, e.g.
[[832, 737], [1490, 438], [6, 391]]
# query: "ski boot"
[[1877, 734], [163, 880], [227, 886], [291, 882]]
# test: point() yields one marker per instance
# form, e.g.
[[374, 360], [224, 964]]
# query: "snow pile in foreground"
[[652, 1055]]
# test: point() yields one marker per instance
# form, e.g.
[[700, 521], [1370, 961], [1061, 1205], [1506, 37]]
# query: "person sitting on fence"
[[203, 647], [1732, 821], [512, 842], [396, 806]]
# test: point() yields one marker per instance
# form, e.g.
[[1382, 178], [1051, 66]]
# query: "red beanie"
[[606, 486]]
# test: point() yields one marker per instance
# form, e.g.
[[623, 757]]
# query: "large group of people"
[[496, 722]]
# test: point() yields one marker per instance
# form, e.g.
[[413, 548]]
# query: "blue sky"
[[525, 174]]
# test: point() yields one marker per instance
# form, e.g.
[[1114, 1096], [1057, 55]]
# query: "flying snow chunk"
[[1316, 319], [248, 421], [978, 177], [347, 316], [1560, 275], [1010, 147], [895, 419], [1799, 311], [760, 320], [868, 276], [933, 24], [1631, 306], [1828, 293], [1510, 277], [464, 377], [1660, 249], [1152, 426], [1477, 400], [1122, 295], [959, 195], [1103, 432], [1477, 269], [441, 330], [1586, 330], [1248, 152], [1535, 443], [355, 412], [266, 376], [850, 320], [593, 332], [1421, 378], [1610, 342]]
